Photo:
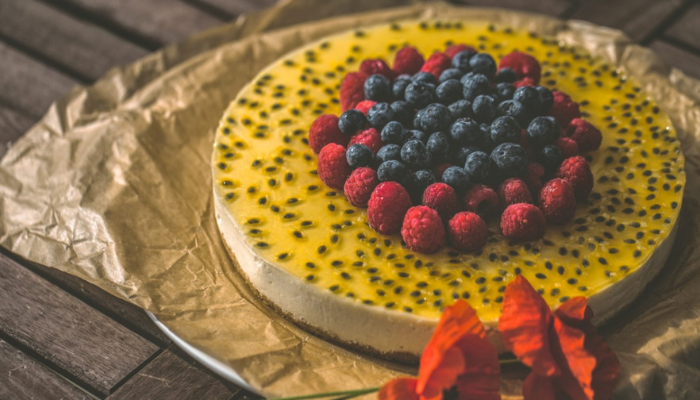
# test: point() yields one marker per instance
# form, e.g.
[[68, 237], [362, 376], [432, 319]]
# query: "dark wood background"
[[62, 338]]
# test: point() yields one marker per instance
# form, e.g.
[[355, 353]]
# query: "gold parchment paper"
[[113, 185]]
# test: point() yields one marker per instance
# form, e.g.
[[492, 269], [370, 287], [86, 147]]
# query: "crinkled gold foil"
[[113, 185]]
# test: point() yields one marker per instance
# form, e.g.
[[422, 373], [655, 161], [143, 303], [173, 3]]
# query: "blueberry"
[[415, 155], [460, 109], [438, 146], [359, 155], [393, 133], [505, 129], [415, 134], [379, 115], [459, 156], [418, 119], [457, 178], [422, 179], [466, 132], [483, 63], [425, 77], [378, 88], [395, 171], [484, 108], [461, 60], [550, 157], [508, 160], [478, 167], [542, 131], [514, 109], [403, 112], [506, 75], [449, 91], [352, 121], [420, 94], [450, 73], [547, 99], [487, 144], [529, 97], [435, 117], [475, 85], [389, 152], [504, 91], [399, 88]]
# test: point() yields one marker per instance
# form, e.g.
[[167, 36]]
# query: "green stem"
[[346, 394]]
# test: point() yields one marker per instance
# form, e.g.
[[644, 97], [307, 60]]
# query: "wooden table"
[[62, 338]]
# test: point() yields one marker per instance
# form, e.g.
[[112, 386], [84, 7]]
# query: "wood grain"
[[637, 18], [239, 6], [28, 85], [687, 28], [22, 377], [677, 57], [66, 332], [164, 21], [77, 45], [12, 126], [551, 7], [170, 377]]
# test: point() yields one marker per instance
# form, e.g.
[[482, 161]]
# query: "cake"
[[310, 254]]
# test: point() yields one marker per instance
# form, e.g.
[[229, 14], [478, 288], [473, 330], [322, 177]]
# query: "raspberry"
[[376, 66], [525, 66], [455, 49], [325, 130], [522, 222], [359, 186], [437, 63], [442, 198], [568, 146], [564, 109], [534, 177], [527, 81], [513, 191], [576, 171], [352, 90], [557, 201], [482, 200], [364, 106], [525, 143], [423, 230], [387, 206], [408, 61], [587, 136], [333, 168], [370, 138], [467, 231], [439, 169]]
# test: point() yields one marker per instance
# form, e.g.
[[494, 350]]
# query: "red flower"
[[569, 359], [458, 359]]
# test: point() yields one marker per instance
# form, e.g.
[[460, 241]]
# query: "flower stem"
[[347, 394]]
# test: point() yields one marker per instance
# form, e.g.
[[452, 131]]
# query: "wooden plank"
[[121, 311], [247, 396], [12, 126], [551, 7], [239, 6], [27, 85], [163, 21], [65, 332], [687, 29], [22, 377], [77, 45], [170, 377], [637, 18], [677, 57]]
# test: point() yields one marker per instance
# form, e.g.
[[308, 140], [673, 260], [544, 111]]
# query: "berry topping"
[[333, 168], [484, 108], [387, 206], [557, 201], [529, 97], [376, 66], [587, 136], [451, 73], [478, 167], [460, 60], [483, 63], [393, 133], [435, 117], [524, 65], [568, 146], [396, 171], [542, 131], [466, 132], [460, 109], [449, 91], [351, 122], [576, 171], [455, 49], [563, 108], [522, 222], [534, 178], [506, 75], [467, 231], [415, 154], [408, 61], [324, 130], [378, 88], [379, 115], [359, 186], [420, 94], [359, 155], [423, 230], [475, 85], [513, 191], [457, 178], [403, 112], [398, 89], [389, 152], [442, 198], [509, 159], [370, 138], [550, 157], [436, 63], [482, 200], [438, 146], [352, 90], [364, 106], [421, 180], [505, 129], [547, 99], [439, 169]]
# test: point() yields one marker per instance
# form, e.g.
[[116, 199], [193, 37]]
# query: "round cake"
[[314, 257]]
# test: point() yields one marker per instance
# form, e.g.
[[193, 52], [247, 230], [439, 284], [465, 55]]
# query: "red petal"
[[485, 386], [537, 387], [524, 327], [399, 389], [575, 311], [576, 381]]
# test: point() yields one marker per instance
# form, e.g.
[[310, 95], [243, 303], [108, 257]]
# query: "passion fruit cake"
[[583, 202]]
